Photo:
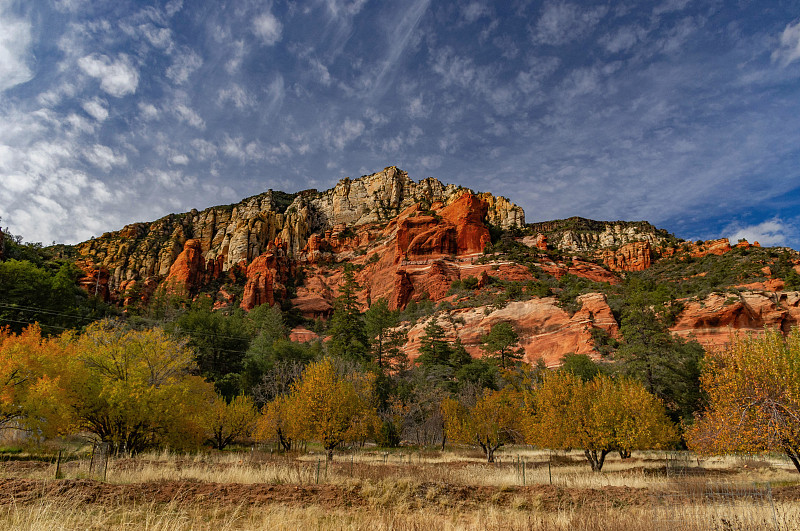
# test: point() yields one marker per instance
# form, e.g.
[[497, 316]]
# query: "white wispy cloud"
[[267, 28], [188, 115], [69, 5], [55, 95], [623, 38], [342, 8], [96, 109], [117, 77], [148, 111], [157, 36], [236, 95], [789, 50], [15, 48], [340, 136], [772, 232], [238, 148], [670, 6], [564, 22], [320, 71], [203, 149], [104, 157], [474, 10], [179, 158], [184, 65], [402, 37]]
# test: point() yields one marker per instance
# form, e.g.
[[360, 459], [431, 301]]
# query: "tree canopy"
[[753, 391], [600, 416]]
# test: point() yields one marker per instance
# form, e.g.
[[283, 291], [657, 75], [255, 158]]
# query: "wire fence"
[[717, 506]]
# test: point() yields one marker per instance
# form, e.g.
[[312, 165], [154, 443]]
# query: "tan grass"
[[401, 491]]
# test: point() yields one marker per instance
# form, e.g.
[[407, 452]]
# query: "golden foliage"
[[326, 406], [599, 416], [753, 391], [494, 420], [225, 422]]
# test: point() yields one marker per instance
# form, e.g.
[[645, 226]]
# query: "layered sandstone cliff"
[[586, 235], [222, 239]]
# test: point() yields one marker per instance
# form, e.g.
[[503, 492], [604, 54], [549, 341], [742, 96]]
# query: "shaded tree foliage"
[[668, 367]]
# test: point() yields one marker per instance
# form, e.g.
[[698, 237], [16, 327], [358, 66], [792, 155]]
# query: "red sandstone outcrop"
[[467, 213], [259, 288], [187, 271], [712, 320], [403, 289], [454, 230], [223, 300], [265, 275], [95, 282], [546, 331], [717, 247], [539, 241], [634, 256], [579, 268], [300, 334], [231, 235]]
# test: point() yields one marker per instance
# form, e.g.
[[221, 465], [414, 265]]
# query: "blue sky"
[[685, 113]]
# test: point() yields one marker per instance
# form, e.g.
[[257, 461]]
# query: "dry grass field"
[[399, 490]]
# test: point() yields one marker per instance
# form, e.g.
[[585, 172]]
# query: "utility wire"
[[176, 329]]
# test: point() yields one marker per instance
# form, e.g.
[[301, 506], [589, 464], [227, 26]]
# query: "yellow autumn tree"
[[333, 408], [598, 416], [30, 368], [278, 420], [226, 422], [753, 389], [496, 419], [135, 388]]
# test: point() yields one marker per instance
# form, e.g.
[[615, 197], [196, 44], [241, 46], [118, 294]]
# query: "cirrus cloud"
[[117, 78], [15, 43]]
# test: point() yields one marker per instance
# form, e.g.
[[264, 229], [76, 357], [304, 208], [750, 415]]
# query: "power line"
[[32, 323], [42, 310], [4, 319], [177, 329]]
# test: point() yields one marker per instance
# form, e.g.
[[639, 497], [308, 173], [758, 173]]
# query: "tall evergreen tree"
[[347, 329], [499, 343], [668, 367], [434, 348], [385, 341]]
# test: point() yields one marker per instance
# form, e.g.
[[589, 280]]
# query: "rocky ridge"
[[411, 241], [222, 239]]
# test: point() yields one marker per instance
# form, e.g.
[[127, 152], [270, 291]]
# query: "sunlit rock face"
[[184, 253]]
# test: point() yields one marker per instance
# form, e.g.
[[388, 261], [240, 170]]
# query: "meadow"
[[398, 489]]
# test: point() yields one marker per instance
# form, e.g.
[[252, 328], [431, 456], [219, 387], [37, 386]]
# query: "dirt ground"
[[18, 490]]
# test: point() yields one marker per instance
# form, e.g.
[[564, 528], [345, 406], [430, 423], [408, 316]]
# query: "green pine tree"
[[347, 329]]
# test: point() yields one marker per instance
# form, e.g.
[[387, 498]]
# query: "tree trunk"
[[329, 456], [596, 459], [285, 443], [624, 454], [794, 455]]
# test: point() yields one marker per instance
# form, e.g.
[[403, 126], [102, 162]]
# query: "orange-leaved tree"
[[496, 419], [599, 416], [29, 381], [753, 389], [334, 408]]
